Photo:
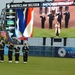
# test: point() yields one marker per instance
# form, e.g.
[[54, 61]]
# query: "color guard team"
[[16, 49]]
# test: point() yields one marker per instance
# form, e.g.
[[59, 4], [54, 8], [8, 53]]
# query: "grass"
[[65, 32], [39, 66]]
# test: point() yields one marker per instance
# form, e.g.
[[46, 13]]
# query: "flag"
[[24, 22], [29, 23]]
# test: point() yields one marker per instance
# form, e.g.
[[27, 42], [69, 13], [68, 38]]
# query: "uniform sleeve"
[[57, 14], [40, 16], [48, 15]]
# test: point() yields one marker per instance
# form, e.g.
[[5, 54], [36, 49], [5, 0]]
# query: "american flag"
[[24, 23]]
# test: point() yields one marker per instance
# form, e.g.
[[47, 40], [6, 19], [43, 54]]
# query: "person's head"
[[24, 43], [43, 14], [58, 24], [66, 8], [67, 11]]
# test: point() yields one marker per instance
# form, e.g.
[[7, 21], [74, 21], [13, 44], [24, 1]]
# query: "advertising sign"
[[64, 52]]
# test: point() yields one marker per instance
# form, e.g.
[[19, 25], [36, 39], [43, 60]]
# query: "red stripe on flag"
[[29, 16]]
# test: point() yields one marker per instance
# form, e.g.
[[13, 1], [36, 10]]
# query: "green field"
[[65, 32], [39, 66]]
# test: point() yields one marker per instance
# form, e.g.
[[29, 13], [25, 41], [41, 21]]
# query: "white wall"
[[35, 41], [71, 42]]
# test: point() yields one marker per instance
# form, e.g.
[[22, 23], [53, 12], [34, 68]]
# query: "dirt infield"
[[37, 19]]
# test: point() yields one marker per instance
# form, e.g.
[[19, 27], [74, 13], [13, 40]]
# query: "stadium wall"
[[49, 47], [48, 51]]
